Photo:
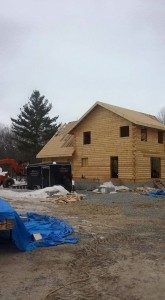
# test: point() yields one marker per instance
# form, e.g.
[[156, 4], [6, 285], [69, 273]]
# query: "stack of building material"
[[69, 198], [158, 184], [143, 189], [7, 224]]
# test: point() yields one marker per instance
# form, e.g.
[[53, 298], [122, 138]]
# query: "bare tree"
[[8, 148], [161, 115]]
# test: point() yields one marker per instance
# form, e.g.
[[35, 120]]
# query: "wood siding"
[[146, 150], [105, 142]]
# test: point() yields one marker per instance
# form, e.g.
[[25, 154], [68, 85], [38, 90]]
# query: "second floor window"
[[86, 137], [160, 137], [124, 131], [144, 134]]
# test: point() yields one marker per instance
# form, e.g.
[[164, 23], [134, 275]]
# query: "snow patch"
[[41, 193]]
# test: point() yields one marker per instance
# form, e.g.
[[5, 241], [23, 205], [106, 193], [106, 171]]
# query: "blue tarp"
[[158, 193], [54, 231]]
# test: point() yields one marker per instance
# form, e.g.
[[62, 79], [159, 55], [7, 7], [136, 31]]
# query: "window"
[[84, 162], [144, 134], [124, 131], [160, 137], [87, 137]]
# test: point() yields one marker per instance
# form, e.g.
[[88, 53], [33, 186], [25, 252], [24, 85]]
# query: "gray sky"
[[77, 52]]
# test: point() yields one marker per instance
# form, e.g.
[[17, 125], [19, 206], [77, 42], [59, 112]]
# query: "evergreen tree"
[[33, 127]]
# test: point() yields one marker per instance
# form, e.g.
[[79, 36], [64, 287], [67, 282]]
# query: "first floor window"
[[84, 162]]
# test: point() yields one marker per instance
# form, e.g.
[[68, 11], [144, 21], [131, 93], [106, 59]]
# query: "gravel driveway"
[[120, 255]]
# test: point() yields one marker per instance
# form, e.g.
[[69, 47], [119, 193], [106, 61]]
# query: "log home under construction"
[[110, 142]]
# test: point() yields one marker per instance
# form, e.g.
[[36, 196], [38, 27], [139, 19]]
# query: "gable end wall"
[[105, 142]]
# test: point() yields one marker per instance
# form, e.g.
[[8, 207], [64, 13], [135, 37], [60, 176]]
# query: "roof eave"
[[149, 126], [54, 156], [69, 154]]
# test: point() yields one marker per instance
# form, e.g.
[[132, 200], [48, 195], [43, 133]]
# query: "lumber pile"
[[143, 189], [158, 184], [69, 198], [122, 188], [7, 224]]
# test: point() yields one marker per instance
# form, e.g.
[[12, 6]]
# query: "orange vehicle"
[[19, 169]]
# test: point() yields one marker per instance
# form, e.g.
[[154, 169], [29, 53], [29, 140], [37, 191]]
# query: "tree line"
[[32, 129]]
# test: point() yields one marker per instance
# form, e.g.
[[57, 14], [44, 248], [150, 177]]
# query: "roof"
[[60, 145], [135, 117]]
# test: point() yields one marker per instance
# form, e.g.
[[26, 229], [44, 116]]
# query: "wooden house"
[[110, 142]]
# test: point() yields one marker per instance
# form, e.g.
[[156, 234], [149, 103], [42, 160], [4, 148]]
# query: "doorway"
[[155, 167], [114, 167]]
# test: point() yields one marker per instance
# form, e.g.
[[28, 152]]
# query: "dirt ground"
[[120, 254]]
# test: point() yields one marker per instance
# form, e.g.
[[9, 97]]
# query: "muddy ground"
[[120, 254]]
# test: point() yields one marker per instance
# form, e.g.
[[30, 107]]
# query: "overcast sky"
[[77, 52]]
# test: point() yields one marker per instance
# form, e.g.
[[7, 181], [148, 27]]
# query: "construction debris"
[[37, 237], [143, 189], [110, 188], [24, 218], [158, 184], [7, 224], [66, 198], [122, 188]]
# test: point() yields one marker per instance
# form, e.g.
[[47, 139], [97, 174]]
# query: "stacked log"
[[69, 198]]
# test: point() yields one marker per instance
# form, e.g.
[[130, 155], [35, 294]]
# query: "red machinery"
[[19, 169]]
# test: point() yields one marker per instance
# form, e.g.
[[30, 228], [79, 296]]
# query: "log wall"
[[105, 142], [133, 154]]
